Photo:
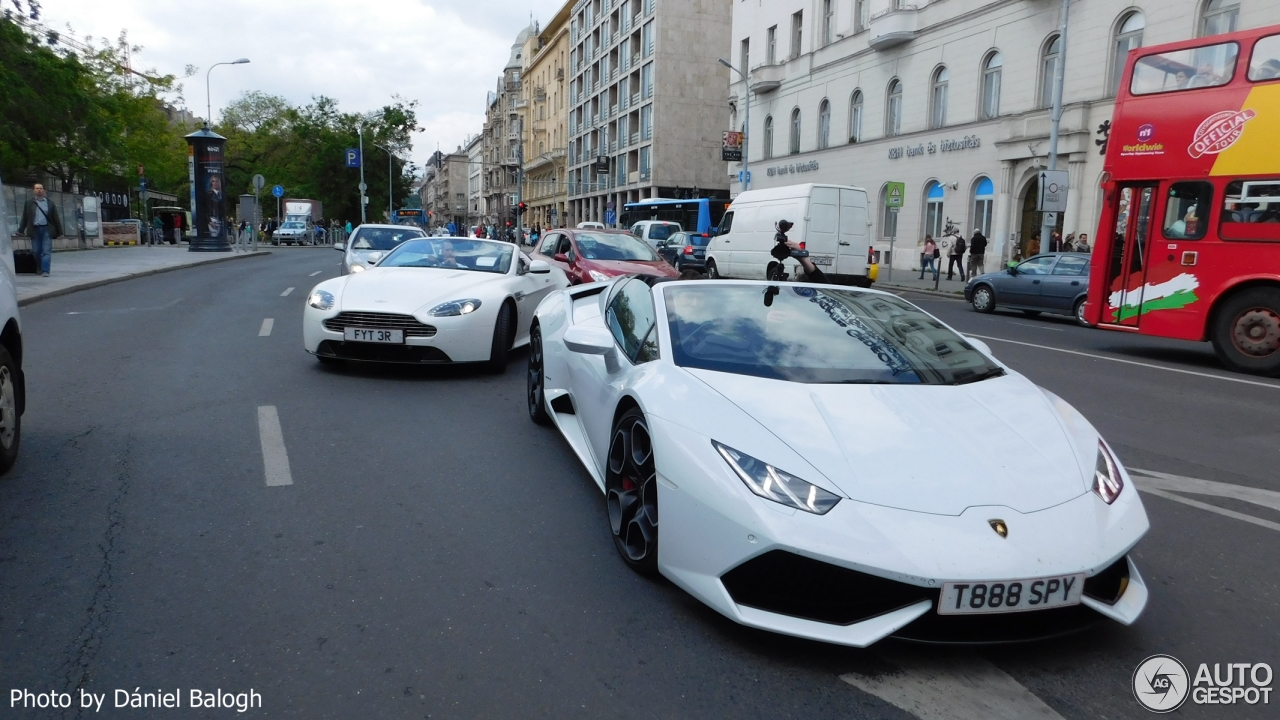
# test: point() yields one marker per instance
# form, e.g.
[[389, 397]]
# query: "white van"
[[832, 221], [655, 231]]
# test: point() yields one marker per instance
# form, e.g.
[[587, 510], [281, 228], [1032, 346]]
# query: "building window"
[[1128, 37], [771, 46], [795, 131], [646, 80], [644, 163], [938, 99], [797, 33], [855, 117], [1049, 70], [861, 14], [746, 55], [828, 22], [991, 70], [646, 122], [824, 125], [933, 218], [768, 137], [1218, 17], [893, 109], [646, 39], [984, 198]]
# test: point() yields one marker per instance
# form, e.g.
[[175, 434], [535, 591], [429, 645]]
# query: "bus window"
[[1201, 67], [1265, 63], [1186, 210], [1251, 210]]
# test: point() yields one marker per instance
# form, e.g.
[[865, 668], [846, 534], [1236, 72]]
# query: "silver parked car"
[[1050, 282], [370, 243]]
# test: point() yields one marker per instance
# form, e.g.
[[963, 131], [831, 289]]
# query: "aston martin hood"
[[928, 448], [406, 290]]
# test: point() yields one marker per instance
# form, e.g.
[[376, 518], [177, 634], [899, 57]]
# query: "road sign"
[[610, 217], [894, 193], [1053, 190], [1051, 218], [363, 187], [353, 157], [259, 182], [278, 191], [744, 177]]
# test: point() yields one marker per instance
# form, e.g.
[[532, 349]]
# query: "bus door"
[[1126, 268]]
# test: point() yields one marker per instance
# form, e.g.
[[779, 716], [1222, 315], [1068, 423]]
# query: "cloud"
[[446, 54]]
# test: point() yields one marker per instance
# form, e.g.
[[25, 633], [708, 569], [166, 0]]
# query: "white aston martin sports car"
[[431, 300], [834, 463]]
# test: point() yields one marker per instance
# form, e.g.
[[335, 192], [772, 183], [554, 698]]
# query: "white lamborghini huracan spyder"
[[834, 463]]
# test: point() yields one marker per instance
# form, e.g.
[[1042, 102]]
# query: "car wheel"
[[537, 395], [984, 300], [631, 493], [1031, 313], [712, 271], [502, 330], [10, 420], [1078, 311], [1246, 332]]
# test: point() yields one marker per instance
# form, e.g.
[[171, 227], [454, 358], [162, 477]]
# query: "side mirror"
[[588, 340], [539, 267], [342, 247], [561, 257], [1013, 270]]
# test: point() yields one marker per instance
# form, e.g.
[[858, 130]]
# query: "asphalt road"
[[438, 555]]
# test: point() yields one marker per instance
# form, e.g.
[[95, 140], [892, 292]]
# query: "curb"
[[950, 294], [23, 302]]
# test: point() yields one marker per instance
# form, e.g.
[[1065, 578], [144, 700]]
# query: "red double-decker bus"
[[1188, 242]]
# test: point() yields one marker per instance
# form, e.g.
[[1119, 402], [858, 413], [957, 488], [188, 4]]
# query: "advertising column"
[[209, 200]]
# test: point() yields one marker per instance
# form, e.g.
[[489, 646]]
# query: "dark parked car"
[[686, 251], [1049, 282], [587, 255]]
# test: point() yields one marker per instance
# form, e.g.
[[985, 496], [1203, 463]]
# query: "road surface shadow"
[[516, 362]]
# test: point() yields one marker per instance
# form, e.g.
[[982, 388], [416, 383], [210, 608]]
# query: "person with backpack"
[[955, 258], [42, 223]]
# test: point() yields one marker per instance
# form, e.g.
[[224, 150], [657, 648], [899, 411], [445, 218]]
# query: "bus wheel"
[[1246, 332]]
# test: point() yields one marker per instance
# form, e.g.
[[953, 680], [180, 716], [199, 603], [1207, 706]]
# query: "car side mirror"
[[561, 257], [588, 340], [340, 247], [1013, 270], [539, 267]]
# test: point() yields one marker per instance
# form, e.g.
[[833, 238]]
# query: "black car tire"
[[1031, 313], [1246, 332], [536, 379], [10, 418], [712, 271], [984, 299], [631, 493], [1078, 312], [503, 329]]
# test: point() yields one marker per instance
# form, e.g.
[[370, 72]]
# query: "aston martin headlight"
[[454, 308], [357, 267], [321, 300], [1107, 482], [598, 276], [773, 484]]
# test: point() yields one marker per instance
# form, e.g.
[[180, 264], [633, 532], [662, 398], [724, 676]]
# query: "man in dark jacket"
[[42, 223], [977, 251], [955, 258]]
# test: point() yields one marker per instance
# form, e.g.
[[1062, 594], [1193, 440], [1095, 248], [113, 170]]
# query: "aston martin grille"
[[380, 321]]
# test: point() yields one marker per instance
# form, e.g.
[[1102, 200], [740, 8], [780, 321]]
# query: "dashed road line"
[[275, 459], [267, 324], [952, 688], [315, 273], [286, 292]]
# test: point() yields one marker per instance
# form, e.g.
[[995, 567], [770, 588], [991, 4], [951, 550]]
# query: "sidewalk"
[[82, 269], [910, 280]]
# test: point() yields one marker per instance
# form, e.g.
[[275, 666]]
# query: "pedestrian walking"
[[42, 223], [1055, 241], [955, 258], [928, 256], [1082, 243], [156, 236], [1033, 247], [977, 254]]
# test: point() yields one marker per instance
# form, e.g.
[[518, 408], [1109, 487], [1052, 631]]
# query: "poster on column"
[[210, 191]]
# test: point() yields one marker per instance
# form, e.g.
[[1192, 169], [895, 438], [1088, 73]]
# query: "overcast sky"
[[447, 54]]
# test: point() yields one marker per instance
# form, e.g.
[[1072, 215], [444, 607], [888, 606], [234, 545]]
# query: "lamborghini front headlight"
[[777, 485]]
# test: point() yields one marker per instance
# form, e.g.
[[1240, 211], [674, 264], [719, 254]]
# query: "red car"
[[594, 255]]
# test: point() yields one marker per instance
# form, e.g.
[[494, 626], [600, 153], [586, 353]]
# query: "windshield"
[[811, 335], [619, 246], [292, 226], [662, 232], [382, 238], [477, 255]]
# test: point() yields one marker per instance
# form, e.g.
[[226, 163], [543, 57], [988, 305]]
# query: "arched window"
[[824, 125], [1049, 69], [938, 99], [1219, 16], [795, 131], [933, 218], [855, 117], [984, 199], [893, 109], [1128, 37], [768, 137], [991, 70]]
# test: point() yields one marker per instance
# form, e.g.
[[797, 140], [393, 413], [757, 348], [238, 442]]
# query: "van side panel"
[[854, 233], [824, 224]]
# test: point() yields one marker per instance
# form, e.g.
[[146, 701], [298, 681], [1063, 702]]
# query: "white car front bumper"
[[467, 338]]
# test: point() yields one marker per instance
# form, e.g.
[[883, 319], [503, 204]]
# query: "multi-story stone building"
[[952, 98], [544, 85], [647, 94], [503, 126], [474, 149]]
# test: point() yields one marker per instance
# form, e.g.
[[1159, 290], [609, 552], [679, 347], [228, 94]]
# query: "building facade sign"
[[931, 148], [792, 169]]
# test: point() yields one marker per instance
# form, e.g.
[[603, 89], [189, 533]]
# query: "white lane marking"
[[1196, 486], [1273, 386], [957, 688], [315, 273], [267, 324], [275, 460], [1037, 327], [1211, 508], [286, 292]]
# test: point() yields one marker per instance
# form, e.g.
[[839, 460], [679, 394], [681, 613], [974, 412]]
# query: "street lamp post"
[[390, 191], [1047, 228], [363, 186], [746, 126], [207, 101]]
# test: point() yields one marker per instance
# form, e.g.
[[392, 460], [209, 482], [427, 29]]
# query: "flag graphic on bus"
[[1168, 295]]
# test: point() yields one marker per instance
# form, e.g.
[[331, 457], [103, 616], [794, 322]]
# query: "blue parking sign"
[[353, 157]]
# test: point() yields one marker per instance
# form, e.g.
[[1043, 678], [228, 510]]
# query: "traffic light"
[[521, 208]]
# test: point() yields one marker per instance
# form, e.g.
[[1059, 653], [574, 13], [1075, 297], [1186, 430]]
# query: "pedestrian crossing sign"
[[893, 194]]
